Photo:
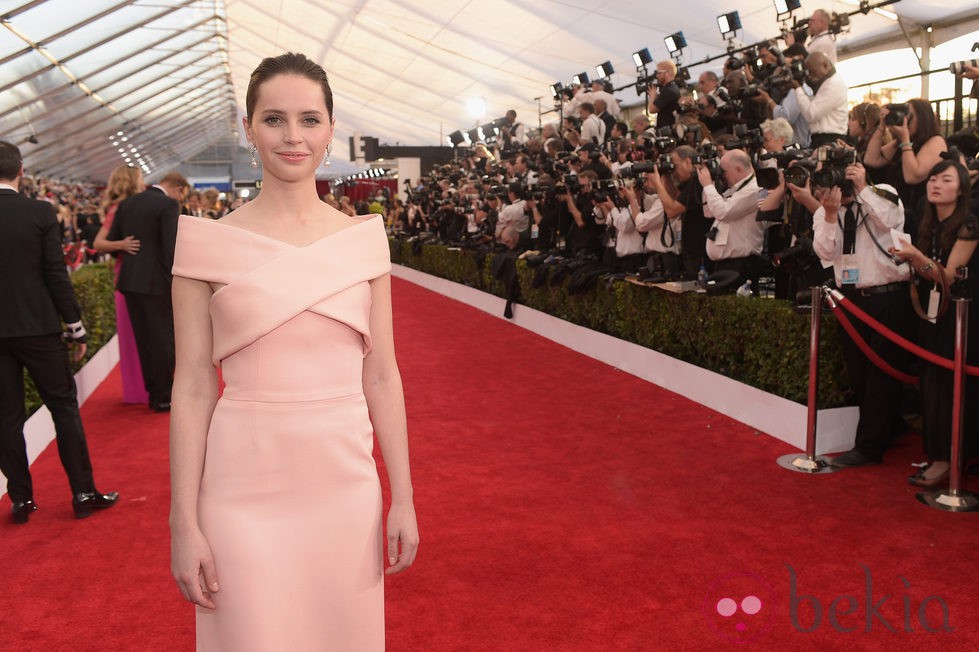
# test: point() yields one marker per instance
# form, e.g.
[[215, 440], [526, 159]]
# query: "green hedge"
[[760, 342], [93, 286]]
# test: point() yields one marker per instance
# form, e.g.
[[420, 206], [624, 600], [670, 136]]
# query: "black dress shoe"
[[85, 503], [160, 407], [853, 458], [21, 511]]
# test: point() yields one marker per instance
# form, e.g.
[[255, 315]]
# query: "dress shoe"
[[21, 511], [852, 458], [160, 407], [85, 503]]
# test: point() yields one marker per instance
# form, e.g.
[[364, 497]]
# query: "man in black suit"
[[151, 218], [34, 292]]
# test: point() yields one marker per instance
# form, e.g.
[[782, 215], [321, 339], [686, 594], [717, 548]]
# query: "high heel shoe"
[[919, 479]]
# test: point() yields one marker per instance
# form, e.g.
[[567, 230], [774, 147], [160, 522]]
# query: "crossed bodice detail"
[[288, 323]]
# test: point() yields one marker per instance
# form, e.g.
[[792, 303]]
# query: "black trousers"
[[878, 394], [46, 359], [152, 319]]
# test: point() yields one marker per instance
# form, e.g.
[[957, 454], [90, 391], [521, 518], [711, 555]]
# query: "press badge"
[[934, 298], [722, 229], [851, 269]]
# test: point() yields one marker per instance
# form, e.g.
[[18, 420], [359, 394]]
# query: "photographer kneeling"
[[852, 229]]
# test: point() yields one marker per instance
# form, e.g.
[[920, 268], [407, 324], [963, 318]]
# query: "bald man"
[[826, 111], [664, 95], [735, 239]]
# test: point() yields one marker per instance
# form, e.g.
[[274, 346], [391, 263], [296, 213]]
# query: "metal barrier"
[[954, 499]]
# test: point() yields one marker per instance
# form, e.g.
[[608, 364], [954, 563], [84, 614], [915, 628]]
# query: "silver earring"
[[329, 150], [254, 150]]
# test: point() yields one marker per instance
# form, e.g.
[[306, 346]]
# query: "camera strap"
[[667, 227]]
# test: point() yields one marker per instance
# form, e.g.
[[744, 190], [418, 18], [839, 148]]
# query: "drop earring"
[[254, 150], [329, 150]]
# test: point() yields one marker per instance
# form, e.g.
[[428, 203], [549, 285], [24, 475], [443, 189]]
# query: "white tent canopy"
[[170, 75]]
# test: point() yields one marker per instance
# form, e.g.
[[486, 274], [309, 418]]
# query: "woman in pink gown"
[[125, 181], [276, 505]]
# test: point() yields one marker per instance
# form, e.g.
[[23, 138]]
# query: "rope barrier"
[[872, 355], [841, 301]]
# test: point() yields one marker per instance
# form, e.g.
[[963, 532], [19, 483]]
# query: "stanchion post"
[[955, 499], [810, 463]]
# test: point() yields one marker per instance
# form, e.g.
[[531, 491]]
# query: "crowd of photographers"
[[726, 181], [760, 170]]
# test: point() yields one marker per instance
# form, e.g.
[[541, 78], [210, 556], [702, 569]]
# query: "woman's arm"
[[960, 255], [195, 393], [386, 403], [917, 166], [102, 244], [878, 154]]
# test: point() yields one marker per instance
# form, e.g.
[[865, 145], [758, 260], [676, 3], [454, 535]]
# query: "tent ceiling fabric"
[[75, 74], [170, 74]]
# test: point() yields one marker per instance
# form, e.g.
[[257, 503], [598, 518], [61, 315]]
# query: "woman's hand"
[[129, 244], [908, 253], [193, 567], [901, 131], [402, 537]]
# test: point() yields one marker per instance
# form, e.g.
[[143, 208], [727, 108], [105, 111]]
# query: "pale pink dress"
[[290, 501]]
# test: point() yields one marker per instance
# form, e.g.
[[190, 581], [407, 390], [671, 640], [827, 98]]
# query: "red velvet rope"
[[904, 343], [872, 355]]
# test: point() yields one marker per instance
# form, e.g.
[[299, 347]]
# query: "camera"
[[746, 138], [798, 172], [833, 173], [767, 178], [801, 255], [636, 169], [958, 67], [896, 113]]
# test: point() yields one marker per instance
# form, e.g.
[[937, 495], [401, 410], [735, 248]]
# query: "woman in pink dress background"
[[125, 181]]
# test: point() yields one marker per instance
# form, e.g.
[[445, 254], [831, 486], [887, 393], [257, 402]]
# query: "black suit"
[[151, 217], [35, 295]]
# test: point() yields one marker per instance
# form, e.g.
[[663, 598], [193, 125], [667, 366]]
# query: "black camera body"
[[747, 138], [833, 173], [896, 113]]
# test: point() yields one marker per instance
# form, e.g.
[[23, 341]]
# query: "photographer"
[[915, 149], [852, 229], [514, 214], [592, 129], [821, 38], [688, 205], [788, 106], [735, 239], [664, 94], [615, 205], [544, 206], [583, 234], [660, 226], [826, 110]]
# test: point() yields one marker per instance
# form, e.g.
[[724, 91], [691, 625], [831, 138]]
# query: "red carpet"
[[562, 505]]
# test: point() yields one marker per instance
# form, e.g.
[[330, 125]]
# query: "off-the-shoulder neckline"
[[361, 219]]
